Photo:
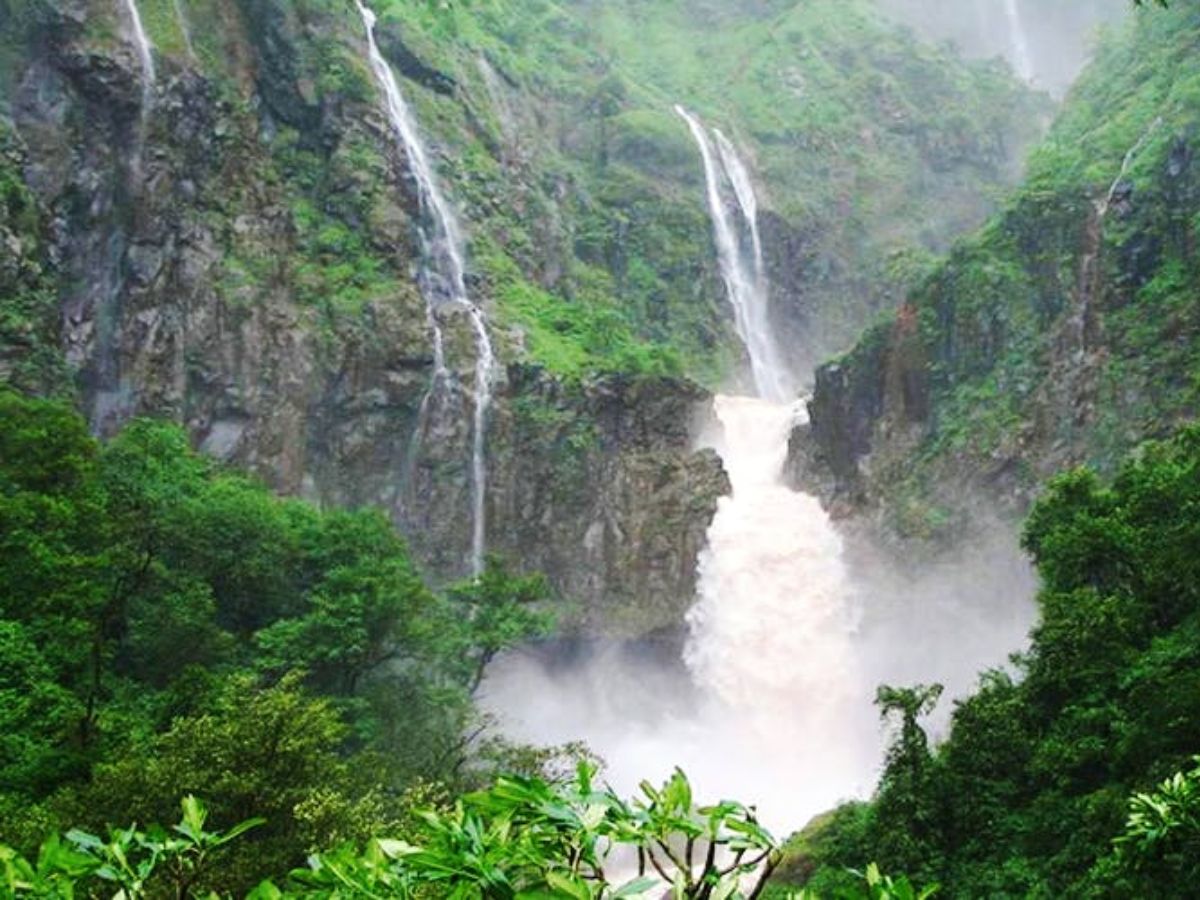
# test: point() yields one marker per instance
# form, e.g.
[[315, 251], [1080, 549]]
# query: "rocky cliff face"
[[1065, 332], [181, 247], [230, 241]]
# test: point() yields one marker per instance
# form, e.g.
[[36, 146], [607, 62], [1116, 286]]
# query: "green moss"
[[29, 356], [1000, 317], [164, 24], [574, 337]]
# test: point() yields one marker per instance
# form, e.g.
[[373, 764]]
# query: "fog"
[[768, 696], [1046, 41], [771, 699]]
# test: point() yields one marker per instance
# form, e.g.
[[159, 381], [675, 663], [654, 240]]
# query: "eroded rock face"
[[975, 394], [598, 486], [194, 285]]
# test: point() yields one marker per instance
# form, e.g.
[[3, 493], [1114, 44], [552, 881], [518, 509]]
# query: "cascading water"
[[776, 711], [742, 271], [771, 633], [1022, 56], [114, 400], [442, 280], [773, 705], [145, 52]]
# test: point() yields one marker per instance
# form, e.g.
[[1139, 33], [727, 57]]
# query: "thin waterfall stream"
[[742, 272], [1022, 55], [442, 279], [144, 50]]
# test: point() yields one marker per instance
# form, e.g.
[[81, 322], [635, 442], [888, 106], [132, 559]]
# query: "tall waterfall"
[[770, 635], [772, 700], [770, 706], [442, 279], [145, 52], [740, 255], [1022, 56]]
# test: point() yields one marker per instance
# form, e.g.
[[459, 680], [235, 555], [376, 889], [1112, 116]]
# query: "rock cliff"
[[1064, 332], [230, 241]]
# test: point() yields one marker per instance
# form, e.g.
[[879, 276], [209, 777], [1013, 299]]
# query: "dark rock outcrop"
[[194, 286]]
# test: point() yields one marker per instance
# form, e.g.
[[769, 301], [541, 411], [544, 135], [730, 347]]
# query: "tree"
[[1158, 853], [253, 751], [903, 801], [495, 610]]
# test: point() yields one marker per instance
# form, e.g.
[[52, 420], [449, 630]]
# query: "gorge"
[[463, 392]]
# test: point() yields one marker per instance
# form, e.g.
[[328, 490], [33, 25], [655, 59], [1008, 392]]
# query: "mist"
[[770, 700], [768, 696], [1047, 42]]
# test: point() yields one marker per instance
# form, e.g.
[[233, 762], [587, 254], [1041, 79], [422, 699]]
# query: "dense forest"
[[452, 449]]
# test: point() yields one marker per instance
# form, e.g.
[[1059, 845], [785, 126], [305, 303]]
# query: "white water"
[[741, 268], [185, 28], [443, 280], [784, 650], [778, 712], [771, 633], [1022, 56], [145, 52], [773, 708]]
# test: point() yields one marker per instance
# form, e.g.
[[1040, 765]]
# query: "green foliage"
[[1067, 325], [583, 191], [29, 355], [167, 627], [526, 837], [522, 837], [1029, 791], [135, 865]]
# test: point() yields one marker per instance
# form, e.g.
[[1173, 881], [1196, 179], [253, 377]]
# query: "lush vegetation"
[[522, 837], [843, 117], [1067, 328], [29, 355], [581, 188], [167, 627], [1028, 793]]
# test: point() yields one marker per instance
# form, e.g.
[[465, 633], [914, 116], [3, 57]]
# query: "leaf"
[[635, 888], [396, 849], [194, 816], [265, 891], [570, 887], [237, 830], [725, 887], [84, 840]]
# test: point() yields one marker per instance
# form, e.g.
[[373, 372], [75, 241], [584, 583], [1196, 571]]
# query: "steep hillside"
[[868, 148], [1065, 331], [225, 233], [1046, 765]]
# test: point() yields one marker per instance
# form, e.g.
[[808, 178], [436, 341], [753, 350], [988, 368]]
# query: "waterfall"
[[742, 267], [1022, 57], [772, 699], [442, 279], [145, 52], [772, 705], [185, 29], [507, 119], [485, 361], [770, 635]]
